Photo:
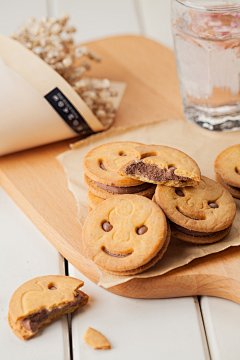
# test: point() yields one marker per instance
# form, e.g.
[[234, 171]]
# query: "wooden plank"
[[37, 183], [222, 324], [23, 259], [139, 329]]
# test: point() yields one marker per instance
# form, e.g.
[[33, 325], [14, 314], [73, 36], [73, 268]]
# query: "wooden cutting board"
[[36, 181]]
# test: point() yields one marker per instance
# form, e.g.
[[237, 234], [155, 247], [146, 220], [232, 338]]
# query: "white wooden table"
[[183, 328]]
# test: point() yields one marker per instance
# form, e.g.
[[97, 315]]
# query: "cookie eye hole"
[[153, 153], [106, 226], [142, 230], [213, 205], [171, 169], [237, 171], [179, 192], [122, 153], [52, 286], [102, 165]]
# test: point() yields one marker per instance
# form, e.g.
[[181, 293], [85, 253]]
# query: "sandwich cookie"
[[198, 215], [159, 164], [41, 300], [126, 234], [227, 168], [101, 167]]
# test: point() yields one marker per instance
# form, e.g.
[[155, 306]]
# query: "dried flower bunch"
[[51, 39]]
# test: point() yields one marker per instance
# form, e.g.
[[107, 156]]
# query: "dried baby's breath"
[[51, 39]]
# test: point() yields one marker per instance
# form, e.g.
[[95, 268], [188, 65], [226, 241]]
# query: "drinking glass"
[[207, 49]]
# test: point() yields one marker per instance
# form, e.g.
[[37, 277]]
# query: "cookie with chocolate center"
[[227, 168], [41, 300], [126, 234], [159, 164], [101, 167], [200, 215]]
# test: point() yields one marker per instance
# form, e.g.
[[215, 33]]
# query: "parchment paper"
[[202, 145]]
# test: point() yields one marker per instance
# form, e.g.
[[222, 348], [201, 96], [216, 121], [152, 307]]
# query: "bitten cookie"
[[101, 166], [41, 300], [126, 234], [227, 168], [162, 165], [198, 215]]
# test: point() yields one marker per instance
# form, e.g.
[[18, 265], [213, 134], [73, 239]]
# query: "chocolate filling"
[[153, 172], [33, 321], [179, 192], [123, 190], [191, 232]]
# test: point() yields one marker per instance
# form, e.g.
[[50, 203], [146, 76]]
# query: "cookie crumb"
[[96, 340]]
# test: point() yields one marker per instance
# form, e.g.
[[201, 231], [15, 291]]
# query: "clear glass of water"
[[207, 49]]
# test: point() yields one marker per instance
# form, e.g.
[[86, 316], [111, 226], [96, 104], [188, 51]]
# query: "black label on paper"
[[67, 111]]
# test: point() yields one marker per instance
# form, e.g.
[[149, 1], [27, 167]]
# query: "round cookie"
[[103, 162], [199, 215], [159, 164], [41, 300], [125, 234], [144, 189], [227, 168]]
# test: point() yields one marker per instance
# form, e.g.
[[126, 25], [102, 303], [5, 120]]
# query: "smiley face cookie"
[[41, 300], [126, 234], [198, 215], [101, 167], [159, 164], [227, 168]]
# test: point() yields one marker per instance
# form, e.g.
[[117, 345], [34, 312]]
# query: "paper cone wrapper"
[[37, 106]]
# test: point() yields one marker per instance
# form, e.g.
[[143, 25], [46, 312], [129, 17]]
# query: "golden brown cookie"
[[41, 300], [227, 168], [144, 189], [126, 234], [96, 340], [159, 164], [202, 214]]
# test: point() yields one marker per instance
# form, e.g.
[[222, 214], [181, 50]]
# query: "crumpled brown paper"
[[202, 145]]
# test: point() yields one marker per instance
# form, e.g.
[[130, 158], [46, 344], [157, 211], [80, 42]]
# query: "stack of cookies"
[[127, 234], [101, 166]]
